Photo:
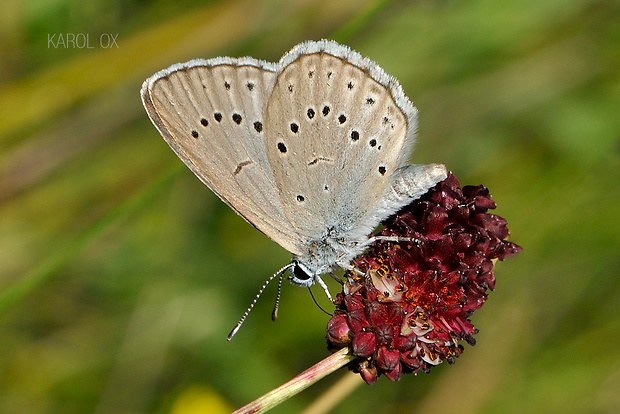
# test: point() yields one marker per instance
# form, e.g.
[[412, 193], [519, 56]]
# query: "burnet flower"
[[406, 308]]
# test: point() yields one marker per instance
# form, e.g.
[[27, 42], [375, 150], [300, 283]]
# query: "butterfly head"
[[302, 274], [331, 252]]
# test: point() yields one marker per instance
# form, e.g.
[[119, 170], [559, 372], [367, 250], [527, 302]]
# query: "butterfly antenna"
[[276, 306], [317, 303], [260, 292]]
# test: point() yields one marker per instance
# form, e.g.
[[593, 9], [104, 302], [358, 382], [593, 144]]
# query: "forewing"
[[337, 127], [211, 114]]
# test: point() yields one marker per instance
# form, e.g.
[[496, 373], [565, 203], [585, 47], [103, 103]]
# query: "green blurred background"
[[121, 274]]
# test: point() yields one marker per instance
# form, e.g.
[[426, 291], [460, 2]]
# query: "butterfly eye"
[[301, 273]]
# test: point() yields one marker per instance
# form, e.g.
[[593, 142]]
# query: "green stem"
[[298, 384]]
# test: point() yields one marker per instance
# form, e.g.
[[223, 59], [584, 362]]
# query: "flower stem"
[[298, 384]]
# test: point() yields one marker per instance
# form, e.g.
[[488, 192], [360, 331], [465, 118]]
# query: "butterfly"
[[312, 150]]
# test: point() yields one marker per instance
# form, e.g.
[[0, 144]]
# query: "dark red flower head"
[[407, 305]]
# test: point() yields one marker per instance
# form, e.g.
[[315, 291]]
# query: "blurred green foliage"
[[120, 274]]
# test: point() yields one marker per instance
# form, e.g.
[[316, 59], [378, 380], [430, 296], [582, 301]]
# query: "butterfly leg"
[[336, 278], [324, 286], [394, 239], [347, 266]]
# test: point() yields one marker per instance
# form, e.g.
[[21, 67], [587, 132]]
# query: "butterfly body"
[[312, 150]]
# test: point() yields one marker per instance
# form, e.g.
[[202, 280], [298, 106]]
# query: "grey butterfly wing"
[[337, 130], [210, 112]]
